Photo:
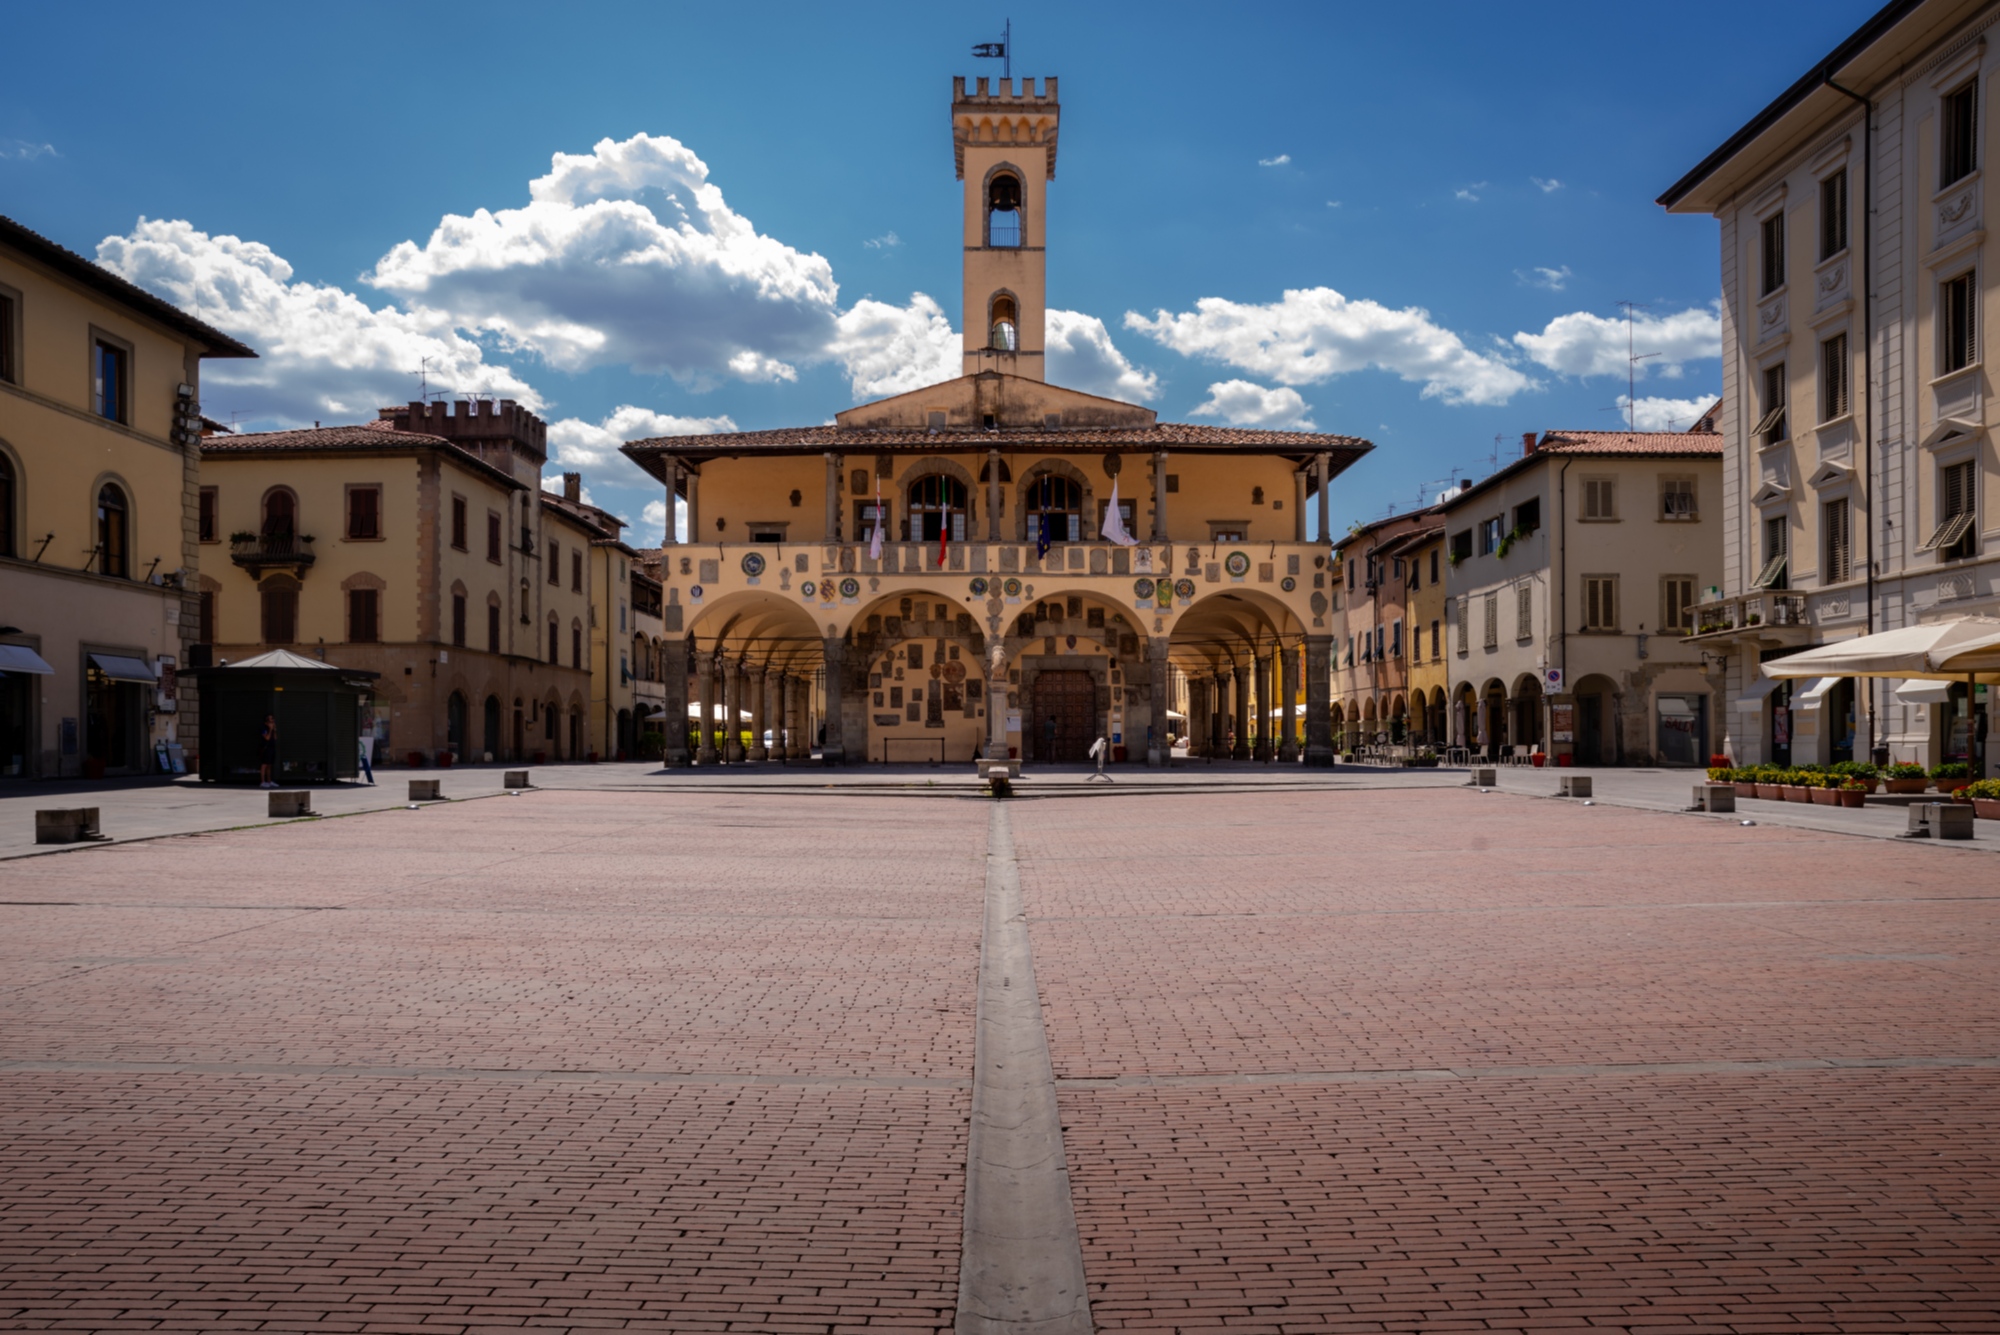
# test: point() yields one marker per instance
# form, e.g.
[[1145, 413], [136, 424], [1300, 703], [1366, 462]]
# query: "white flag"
[[1114, 522], [875, 543]]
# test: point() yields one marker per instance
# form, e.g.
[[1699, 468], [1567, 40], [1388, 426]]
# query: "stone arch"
[[365, 579]]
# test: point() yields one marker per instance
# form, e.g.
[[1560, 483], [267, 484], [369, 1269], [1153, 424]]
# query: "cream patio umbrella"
[[1934, 651]]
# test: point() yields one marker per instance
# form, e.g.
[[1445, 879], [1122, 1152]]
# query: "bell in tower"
[[1005, 145]]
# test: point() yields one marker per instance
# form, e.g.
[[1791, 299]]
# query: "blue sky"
[[754, 224]]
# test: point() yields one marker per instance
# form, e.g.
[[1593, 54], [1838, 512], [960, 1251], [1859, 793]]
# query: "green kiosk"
[[317, 706]]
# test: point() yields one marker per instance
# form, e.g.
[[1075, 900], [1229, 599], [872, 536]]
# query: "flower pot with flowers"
[[1984, 794], [1905, 778], [1951, 776], [1855, 769], [1853, 792], [1768, 785], [1825, 788], [1798, 785]]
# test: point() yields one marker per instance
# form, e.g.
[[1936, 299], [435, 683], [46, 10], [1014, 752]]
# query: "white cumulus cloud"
[[1547, 185], [1661, 414], [1082, 356], [582, 446], [1278, 161], [1555, 280], [323, 352], [1583, 344], [1241, 403], [894, 349], [1313, 334]]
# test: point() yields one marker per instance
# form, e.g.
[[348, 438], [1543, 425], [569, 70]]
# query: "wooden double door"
[[1065, 717]]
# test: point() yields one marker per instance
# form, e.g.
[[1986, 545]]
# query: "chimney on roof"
[[573, 487], [1527, 443]]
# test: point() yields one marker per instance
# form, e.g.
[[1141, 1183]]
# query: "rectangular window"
[[1528, 516], [1492, 637], [1489, 535], [1396, 638], [493, 537], [1677, 603], [458, 620], [1677, 499], [364, 513], [1957, 510], [1600, 498], [1461, 546], [1434, 565], [555, 569], [1351, 568], [492, 628], [208, 521], [1524, 612], [576, 570], [555, 644], [1437, 642], [1958, 324], [1837, 532], [1958, 134], [1771, 427], [1774, 253], [1777, 554], [10, 313], [1173, 484], [206, 628], [110, 381], [364, 624], [458, 535], [1464, 614], [280, 615], [1833, 215], [1833, 391], [576, 646], [1600, 602]]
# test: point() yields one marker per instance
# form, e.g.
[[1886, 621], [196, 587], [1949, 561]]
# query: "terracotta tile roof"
[[1403, 542], [869, 440], [584, 513], [1361, 532], [370, 438], [1631, 442]]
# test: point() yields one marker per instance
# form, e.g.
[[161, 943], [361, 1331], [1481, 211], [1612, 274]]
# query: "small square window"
[[1677, 499]]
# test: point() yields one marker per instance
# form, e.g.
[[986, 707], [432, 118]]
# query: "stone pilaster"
[[1159, 745], [1240, 698], [834, 651], [759, 712], [1319, 703], [711, 669], [1262, 749], [1288, 691], [674, 675], [732, 709]]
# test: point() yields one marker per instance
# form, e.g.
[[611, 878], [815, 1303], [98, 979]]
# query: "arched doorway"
[[1596, 740], [1525, 726], [1493, 717], [491, 730], [454, 724]]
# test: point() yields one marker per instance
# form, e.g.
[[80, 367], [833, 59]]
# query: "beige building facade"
[[1375, 575], [420, 547], [1860, 477], [100, 386], [999, 614]]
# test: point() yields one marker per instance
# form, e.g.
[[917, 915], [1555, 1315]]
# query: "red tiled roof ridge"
[[1183, 432]]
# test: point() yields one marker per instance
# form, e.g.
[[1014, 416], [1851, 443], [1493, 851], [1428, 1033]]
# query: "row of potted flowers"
[[1848, 783]]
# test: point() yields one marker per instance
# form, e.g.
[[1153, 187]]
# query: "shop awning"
[[1909, 651], [1753, 699], [1923, 692], [20, 658], [1814, 692], [119, 668]]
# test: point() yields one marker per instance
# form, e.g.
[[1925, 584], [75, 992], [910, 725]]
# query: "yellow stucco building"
[[998, 613], [99, 454]]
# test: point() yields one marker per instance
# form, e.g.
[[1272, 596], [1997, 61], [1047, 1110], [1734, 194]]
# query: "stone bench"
[[1715, 797], [1484, 777], [1940, 820], [515, 778]]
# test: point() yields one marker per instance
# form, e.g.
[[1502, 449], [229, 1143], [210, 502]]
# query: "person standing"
[[367, 761], [267, 752]]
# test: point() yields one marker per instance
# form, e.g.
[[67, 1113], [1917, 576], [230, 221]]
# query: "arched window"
[[934, 500], [1003, 210], [281, 513], [114, 532], [1058, 502], [454, 724], [7, 497], [1005, 332], [492, 722]]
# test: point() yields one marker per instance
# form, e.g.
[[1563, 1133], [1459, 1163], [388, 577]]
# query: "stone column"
[[832, 497], [736, 696], [759, 684], [1242, 703], [1319, 705], [1288, 690], [993, 494], [674, 676], [799, 745], [1159, 748], [709, 668], [996, 702], [693, 484], [1218, 748], [1298, 505], [1262, 749], [834, 650], [1160, 498], [668, 538], [1326, 502]]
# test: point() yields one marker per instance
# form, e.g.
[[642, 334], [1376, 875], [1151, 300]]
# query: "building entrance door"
[[1065, 719]]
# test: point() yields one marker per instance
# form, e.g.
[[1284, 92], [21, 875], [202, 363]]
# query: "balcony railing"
[[1767, 613], [272, 549]]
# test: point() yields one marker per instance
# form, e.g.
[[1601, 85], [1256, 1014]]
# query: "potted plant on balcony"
[[1952, 776], [1754, 619], [1984, 794], [1905, 778], [1853, 792]]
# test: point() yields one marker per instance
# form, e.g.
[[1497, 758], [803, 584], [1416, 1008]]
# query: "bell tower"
[[1005, 146]]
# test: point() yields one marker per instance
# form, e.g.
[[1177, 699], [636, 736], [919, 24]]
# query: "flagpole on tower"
[[1002, 50]]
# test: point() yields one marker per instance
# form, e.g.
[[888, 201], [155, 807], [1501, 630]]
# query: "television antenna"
[[1002, 51], [423, 375], [1632, 360]]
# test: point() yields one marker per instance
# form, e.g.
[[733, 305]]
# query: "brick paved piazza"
[[1385, 1059]]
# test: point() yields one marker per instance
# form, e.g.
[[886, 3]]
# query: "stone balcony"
[[1770, 619], [272, 551]]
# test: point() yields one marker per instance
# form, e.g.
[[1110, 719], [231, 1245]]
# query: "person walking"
[[367, 761], [267, 753]]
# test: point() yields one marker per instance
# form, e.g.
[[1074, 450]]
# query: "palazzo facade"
[[939, 575]]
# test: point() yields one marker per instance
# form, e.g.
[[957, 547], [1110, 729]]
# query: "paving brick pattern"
[[1324, 985], [695, 1067]]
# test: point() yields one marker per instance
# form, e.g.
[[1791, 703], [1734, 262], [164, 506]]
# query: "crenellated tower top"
[[994, 115], [1004, 147]]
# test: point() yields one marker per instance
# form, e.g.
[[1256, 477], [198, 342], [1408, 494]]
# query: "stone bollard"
[[1483, 778], [66, 825], [1573, 785], [1715, 797], [426, 790], [515, 778], [1940, 820], [996, 775], [285, 805]]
